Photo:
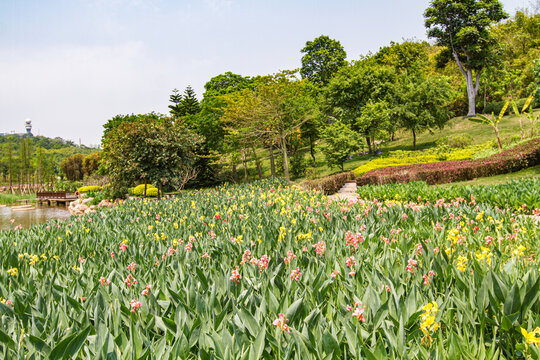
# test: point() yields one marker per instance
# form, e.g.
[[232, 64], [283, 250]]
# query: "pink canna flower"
[[205, 256], [135, 305], [235, 275], [358, 313], [289, 258], [320, 248], [131, 267], [350, 262], [296, 274], [104, 281], [281, 322], [411, 265], [123, 246]]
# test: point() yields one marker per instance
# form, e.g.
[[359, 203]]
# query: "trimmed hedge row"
[[330, 184], [511, 160]]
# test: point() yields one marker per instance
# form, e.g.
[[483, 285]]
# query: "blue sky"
[[70, 65]]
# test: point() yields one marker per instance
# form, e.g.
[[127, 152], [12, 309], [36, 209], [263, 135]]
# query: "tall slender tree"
[[462, 28]]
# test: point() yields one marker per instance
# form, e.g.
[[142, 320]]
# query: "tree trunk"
[[496, 128], [368, 141], [414, 139], [234, 174], [471, 93], [285, 160], [521, 126], [311, 147], [244, 161], [257, 162], [272, 163], [472, 88]]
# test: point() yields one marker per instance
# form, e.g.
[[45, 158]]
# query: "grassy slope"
[[508, 127], [533, 172]]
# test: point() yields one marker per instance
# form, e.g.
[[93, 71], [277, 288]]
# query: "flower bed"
[[511, 160]]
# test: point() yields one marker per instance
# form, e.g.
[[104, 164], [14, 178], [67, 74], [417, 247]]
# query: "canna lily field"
[[269, 271]]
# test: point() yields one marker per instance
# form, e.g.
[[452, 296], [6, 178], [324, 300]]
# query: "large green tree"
[[340, 141], [275, 111], [323, 57], [160, 152], [352, 88], [421, 103], [462, 28]]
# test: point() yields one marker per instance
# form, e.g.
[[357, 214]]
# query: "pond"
[[27, 218]]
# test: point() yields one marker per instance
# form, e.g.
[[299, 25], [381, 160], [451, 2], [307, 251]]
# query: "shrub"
[[496, 107], [330, 184], [151, 190], [400, 157], [91, 188], [455, 142], [511, 160]]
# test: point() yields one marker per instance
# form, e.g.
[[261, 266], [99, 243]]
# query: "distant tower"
[[28, 126]]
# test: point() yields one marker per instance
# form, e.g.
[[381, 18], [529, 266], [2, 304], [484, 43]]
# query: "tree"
[[340, 141], [323, 58], [352, 88], [277, 109], [91, 163], [72, 167], [176, 99], [117, 120], [462, 27], [422, 103], [189, 104], [159, 152]]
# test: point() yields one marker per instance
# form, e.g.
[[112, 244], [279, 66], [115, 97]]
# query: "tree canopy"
[[322, 58], [462, 28]]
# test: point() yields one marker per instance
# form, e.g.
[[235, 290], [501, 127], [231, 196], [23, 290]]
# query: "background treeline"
[[30, 164], [335, 107]]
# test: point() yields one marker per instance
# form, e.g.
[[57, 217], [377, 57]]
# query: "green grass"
[[532, 172], [12, 198], [509, 128]]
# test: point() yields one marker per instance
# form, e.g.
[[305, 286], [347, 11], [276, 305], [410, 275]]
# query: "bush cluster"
[[511, 160], [151, 190], [397, 158], [91, 188], [496, 107], [330, 184]]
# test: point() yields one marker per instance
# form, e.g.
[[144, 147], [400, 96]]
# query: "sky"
[[70, 65]]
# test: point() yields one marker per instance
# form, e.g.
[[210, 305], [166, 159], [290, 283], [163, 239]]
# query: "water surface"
[[28, 218]]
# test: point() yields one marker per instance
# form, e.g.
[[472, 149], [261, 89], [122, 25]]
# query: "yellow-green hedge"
[[91, 188], [400, 157], [151, 190]]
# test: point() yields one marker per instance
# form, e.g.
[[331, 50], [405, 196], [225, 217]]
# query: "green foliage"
[[455, 142], [513, 194], [91, 188], [72, 167], [339, 143], [399, 157], [422, 103], [117, 120], [12, 198], [322, 58], [149, 150], [91, 163], [77, 300], [184, 105], [536, 71], [462, 28], [355, 86], [151, 190]]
